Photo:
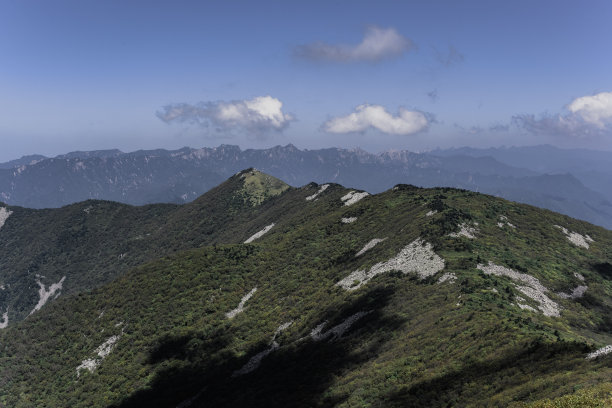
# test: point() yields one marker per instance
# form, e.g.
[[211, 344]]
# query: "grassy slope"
[[93, 242], [423, 344]]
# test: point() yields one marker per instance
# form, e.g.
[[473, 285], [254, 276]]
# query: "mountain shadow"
[[297, 374], [475, 384]]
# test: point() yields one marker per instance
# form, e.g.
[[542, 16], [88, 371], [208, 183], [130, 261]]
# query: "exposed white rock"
[[503, 222], [352, 197], [525, 306], [315, 195], [45, 294], [259, 234], [232, 313], [255, 361], [88, 364], [4, 214], [579, 276], [534, 289], [418, 257], [370, 245], [578, 292], [601, 352], [348, 220], [105, 348], [431, 212], [449, 276], [4, 321], [465, 230], [576, 238], [102, 351], [280, 328], [337, 331]]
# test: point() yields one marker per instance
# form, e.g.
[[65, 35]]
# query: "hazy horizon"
[[432, 150], [81, 76]]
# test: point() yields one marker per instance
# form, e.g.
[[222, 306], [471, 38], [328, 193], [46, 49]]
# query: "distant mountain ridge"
[[593, 168], [178, 176]]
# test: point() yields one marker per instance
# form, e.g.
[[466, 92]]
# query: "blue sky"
[[84, 75]]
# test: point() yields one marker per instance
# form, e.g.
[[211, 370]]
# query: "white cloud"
[[595, 109], [259, 114], [587, 116], [375, 116], [377, 44]]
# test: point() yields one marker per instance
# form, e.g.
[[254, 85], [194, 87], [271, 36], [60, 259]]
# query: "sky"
[[379, 75]]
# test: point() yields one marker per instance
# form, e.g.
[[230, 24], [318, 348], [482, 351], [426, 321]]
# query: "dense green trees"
[[420, 342]]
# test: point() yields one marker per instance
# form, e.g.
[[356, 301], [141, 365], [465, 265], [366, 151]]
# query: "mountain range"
[[261, 294], [572, 182]]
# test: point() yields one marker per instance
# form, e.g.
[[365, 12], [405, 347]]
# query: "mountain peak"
[[258, 186]]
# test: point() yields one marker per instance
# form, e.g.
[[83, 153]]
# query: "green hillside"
[[91, 243], [409, 298]]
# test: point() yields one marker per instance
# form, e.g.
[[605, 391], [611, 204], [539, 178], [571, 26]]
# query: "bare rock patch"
[[315, 195], [503, 222], [576, 238], [371, 244], [255, 361], [45, 293], [232, 313], [259, 234], [533, 289], [102, 352], [352, 197], [601, 352], [337, 331], [4, 215], [4, 322], [417, 257], [465, 230], [577, 292], [448, 277]]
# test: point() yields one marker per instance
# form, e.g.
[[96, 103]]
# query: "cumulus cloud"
[[595, 109], [377, 44], [375, 116], [587, 116], [259, 114]]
